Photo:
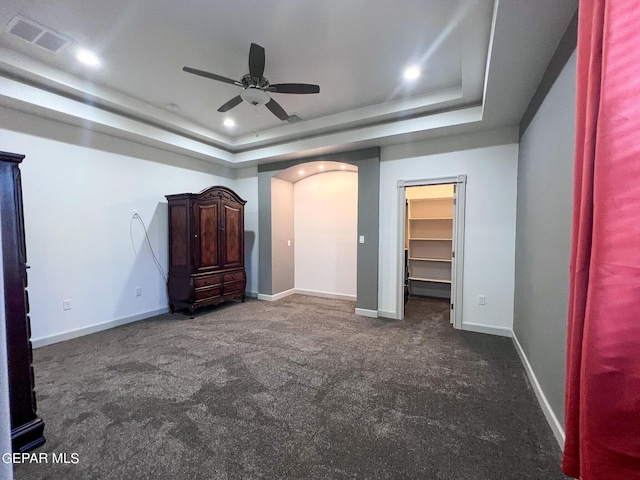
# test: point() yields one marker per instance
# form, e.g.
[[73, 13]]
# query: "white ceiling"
[[481, 61]]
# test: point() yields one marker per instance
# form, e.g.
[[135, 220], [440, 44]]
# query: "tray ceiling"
[[356, 51]]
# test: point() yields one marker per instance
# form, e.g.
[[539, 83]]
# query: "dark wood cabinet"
[[26, 427], [206, 248]]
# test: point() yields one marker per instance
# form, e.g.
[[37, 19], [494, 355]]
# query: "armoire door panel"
[[233, 225], [207, 239], [178, 221]]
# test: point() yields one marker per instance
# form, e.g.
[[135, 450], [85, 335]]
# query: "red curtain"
[[602, 413]]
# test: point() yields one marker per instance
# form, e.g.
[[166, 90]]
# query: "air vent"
[[38, 34], [25, 30], [294, 118]]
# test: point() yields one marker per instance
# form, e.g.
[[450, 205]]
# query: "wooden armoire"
[[26, 427], [206, 248]]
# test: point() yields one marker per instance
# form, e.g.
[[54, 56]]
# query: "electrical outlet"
[[66, 305], [361, 238], [138, 292], [481, 299]]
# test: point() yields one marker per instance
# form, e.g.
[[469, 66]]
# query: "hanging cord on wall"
[[155, 258]]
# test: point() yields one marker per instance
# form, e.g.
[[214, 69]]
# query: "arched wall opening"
[[318, 222], [325, 220]]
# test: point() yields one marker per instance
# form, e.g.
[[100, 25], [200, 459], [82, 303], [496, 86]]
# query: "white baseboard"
[[490, 329], [335, 296], [277, 296], [300, 291], [363, 312], [556, 426], [388, 314], [98, 327]]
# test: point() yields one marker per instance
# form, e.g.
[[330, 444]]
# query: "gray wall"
[[282, 257], [368, 163], [265, 285], [368, 217], [543, 234]]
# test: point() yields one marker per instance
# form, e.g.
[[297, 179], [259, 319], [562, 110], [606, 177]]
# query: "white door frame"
[[460, 181]]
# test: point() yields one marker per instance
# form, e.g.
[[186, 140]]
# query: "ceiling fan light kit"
[[255, 86], [255, 96]]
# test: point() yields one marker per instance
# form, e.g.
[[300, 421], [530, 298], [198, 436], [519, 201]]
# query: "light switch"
[[361, 238]]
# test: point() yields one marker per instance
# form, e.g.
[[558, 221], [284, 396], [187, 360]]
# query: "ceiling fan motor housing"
[[249, 81]]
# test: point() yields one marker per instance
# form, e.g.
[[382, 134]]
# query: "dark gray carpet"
[[295, 389]]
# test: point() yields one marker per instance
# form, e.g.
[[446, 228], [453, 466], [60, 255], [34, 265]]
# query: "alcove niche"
[[312, 215]]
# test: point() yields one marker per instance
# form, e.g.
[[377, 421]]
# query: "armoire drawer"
[[207, 281], [233, 277], [235, 287], [208, 293]]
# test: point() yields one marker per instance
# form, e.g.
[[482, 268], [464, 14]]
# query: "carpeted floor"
[[300, 388]]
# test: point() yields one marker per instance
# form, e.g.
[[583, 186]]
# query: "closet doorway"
[[431, 241]]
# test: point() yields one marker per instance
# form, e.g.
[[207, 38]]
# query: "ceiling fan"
[[255, 85]]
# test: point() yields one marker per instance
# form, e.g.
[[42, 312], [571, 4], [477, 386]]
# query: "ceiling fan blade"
[[212, 76], [256, 61], [230, 104], [293, 88], [277, 110]]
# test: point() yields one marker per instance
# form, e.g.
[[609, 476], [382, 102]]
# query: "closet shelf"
[[422, 259], [448, 197], [430, 239], [434, 280]]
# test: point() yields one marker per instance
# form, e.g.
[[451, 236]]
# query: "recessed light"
[[172, 107], [228, 122], [87, 57], [321, 167], [343, 167], [301, 172], [412, 72]]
